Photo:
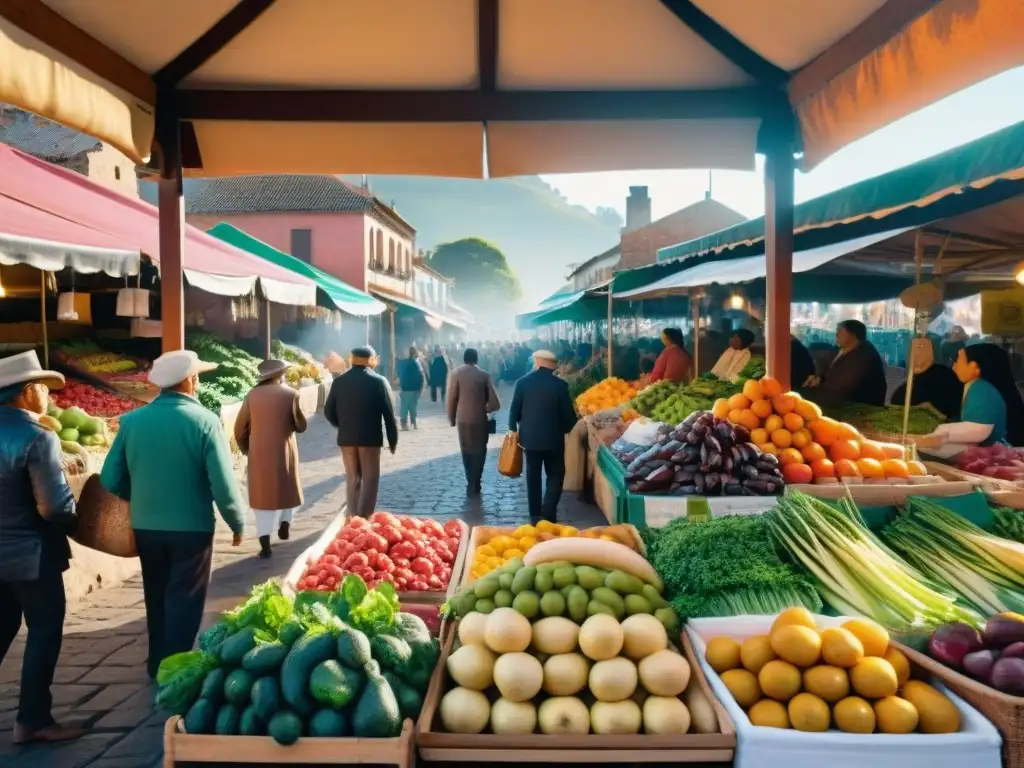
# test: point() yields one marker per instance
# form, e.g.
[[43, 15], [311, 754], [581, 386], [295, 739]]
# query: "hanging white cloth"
[[267, 520]]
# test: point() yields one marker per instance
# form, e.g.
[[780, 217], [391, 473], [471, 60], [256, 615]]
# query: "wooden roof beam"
[[207, 45], [723, 41], [46, 25], [487, 43], [356, 106]]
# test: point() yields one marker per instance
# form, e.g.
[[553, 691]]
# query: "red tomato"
[[384, 518], [386, 577], [369, 540], [331, 559], [404, 550], [432, 528], [356, 560], [400, 584], [350, 534], [422, 566], [453, 544], [357, 523], [433, 582], [333, 570], [421, 549], [384, 564], [453, 528], [400, 562], [330, 582], [419, 586], [405, 574], [300, 585], [391, 534], [411, 523], [367, 574], [371, 558], [324, 588], [445, 575], [443, 552]]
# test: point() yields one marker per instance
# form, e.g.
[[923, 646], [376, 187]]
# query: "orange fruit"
[[772, 423], [784, 403], [739, 402], [916, 468], [721, 408], [793, 421], [844, 449], [790, 456], [808, 411], [847, 468], [769, 448], [847, 431], [749, 419], [869, 449], [797, 473], [735, 415], [823, 468], [763, 408], [770, 386], [752, 389], [895, 468], [758, 436], [782, 438], [825, 431], [893, 451], [813, 452], [802, 438], [870, 468]]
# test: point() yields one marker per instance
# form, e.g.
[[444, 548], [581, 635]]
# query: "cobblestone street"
[[101, 680]]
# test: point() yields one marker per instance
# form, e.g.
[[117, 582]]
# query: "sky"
[[958, 119]]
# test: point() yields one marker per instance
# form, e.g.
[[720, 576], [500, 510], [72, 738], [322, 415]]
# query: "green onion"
[[854, 572]]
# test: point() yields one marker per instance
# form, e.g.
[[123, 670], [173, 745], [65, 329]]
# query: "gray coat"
[[471, 396]]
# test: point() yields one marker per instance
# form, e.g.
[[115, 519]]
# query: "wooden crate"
[[436, 745], [314, 551], [949, 472], [180, 747]]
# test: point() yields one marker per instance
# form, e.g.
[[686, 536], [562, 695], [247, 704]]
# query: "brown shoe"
[[49, 734]]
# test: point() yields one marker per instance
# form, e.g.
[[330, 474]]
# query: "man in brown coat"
[[471, 401], [265, 432]]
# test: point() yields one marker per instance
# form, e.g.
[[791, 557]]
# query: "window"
[[117, 173], [372, 260], [391, 254], [302, 245], [380, 250]]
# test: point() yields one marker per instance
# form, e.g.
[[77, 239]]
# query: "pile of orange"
[[609, 393], [810, 447]]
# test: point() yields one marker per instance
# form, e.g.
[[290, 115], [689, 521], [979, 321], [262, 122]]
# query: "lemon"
[[486, 550], [513, 552], [526, 543]]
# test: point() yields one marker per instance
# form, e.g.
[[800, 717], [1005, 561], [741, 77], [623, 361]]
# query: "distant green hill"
[[538, 230]]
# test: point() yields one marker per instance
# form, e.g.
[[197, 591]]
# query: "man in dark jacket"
[[857, 373], [37, 512], [543, 414], [411, 379], [439, 375], [359, 401]]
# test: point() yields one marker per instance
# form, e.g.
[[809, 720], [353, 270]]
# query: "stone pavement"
[[101, 680]]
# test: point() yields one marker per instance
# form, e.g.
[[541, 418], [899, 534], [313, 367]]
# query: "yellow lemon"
[[526, 543], [546, 526], [569, 531], [495, 562], [524, 530], [486, 550], [513, 553]]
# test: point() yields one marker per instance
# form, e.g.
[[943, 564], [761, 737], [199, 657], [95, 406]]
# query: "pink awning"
[[83, 202]]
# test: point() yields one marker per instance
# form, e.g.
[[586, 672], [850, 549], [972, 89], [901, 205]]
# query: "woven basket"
[[1006, 712], [104, 521]]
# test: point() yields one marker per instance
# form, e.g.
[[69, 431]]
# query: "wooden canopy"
[[493, 87]]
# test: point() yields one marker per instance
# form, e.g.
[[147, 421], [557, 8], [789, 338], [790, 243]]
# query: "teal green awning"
[[341, 294]]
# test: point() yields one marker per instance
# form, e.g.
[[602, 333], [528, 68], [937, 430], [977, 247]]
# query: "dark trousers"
[[473, 444], [362, 479], [552, 465], [435, 388], [175, 575], [42, 604]]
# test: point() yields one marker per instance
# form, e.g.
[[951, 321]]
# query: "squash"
[[464, 711], [599, 553], [665, 673], [507, 631], [613, 680]]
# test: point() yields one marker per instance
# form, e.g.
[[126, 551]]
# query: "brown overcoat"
[[265, 432]]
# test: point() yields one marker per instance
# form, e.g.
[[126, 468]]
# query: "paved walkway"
[[101, 681]]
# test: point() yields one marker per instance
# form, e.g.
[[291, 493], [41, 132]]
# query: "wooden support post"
[[695, 299], [393, 367], [611, 322], [42, 314], [265, 328], [778, 217], [172, 233]]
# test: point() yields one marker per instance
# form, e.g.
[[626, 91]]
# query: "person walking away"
[[543, 414], [471, 401], [411, 379], [37, 514], [265, 431], [358, 404], [171, 461], [439, 375]]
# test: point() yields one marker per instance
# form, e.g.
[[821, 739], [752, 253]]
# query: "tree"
[[610, 216], [484, 281]]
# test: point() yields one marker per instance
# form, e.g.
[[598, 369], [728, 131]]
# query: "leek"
[[856, 573], [987, 571]]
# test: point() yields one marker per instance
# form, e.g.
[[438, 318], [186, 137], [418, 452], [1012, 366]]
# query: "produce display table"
[[950, 472], [182, 748]]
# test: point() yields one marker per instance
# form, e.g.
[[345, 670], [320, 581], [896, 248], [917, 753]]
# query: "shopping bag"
[[104, 521], [510, 460]]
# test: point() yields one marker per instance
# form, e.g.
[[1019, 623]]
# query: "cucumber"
[[201, 717], [309, 650], [227, 720], [285, 728], [266, 697], [236, 646], [265, 659], [213, 686], [249, 723], [353, 648], [238, 687], [290, 631], [328, 723]]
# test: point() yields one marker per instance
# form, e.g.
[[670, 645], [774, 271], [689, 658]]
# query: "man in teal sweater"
[[171, 460]]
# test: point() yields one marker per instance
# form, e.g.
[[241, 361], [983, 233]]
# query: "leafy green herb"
[[376, 612], [1009, 523]]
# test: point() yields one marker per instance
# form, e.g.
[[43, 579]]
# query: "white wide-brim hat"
[[172, 368], [24, 368]]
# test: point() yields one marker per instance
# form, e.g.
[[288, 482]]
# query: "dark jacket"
[[357, 404], [801, 364], [939, 386], [438, 371], [37, 508], [855, 377], [410, 374], [542, 411]]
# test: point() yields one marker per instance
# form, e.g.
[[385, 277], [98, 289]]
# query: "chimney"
[[638, 209]]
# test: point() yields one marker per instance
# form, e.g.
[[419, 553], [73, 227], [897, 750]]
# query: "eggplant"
[[705, 469], [712, 483], [770, 458], [686, 478], [687, 490], [715, 460], [740, 433], [1004, 629], [660, 474], [674, 487], [692, 453], [978, 664], [704, 453], [737, 454], [638, 487], [693, 438], [679, 457], [733, 488], [951, 642], [748, 472], [754, 449], [692, 466], [757, 486], [669, 449], [698, 483], [699, 429], [712, 444], [766, 466], [724, 431], [1014, 651], [727, 464], [1008, 676]]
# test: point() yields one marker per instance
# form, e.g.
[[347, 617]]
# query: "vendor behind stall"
[[857, 373], [674, 361], [736, 356], [990, 394], [935, 385]]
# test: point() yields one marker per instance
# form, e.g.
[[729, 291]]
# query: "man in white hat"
[[171, 460], [543, 414], [265, 432], [37, 513]]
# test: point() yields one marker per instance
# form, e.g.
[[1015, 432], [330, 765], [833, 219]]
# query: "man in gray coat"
[[471, 401]]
